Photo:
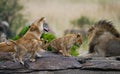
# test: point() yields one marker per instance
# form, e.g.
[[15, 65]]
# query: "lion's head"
[[78, 40]]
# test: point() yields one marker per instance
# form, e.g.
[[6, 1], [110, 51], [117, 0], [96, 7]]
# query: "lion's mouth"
[[46, 29]]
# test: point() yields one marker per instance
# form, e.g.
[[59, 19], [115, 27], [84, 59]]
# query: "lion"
[[63, 44], [107, 26], [27, 43], [102, 38]]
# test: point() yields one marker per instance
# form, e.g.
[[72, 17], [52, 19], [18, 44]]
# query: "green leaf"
[[22, 32], [73, 50], [48, 37]]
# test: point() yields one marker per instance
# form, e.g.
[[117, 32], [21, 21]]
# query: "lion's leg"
[[32, 59], [34, 50], [20, 59], [20, 53], [91, 48], [14, 56], [37, 54], [65, 53]]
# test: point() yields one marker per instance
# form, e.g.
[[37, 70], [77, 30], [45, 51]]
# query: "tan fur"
[[8, 46], [64, 44], [30, 42], [99, 36], [43, 44]]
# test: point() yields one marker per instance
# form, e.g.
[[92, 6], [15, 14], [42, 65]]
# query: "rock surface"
[[5, 56], [48, 61], [101, 63], [51, 63]]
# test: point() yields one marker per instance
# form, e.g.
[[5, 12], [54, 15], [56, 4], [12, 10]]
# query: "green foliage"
[[10, 12], [73, 50], [16, 37], [48, 37], [22, 32], [83, 20]]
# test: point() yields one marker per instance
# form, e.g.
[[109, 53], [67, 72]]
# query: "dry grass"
[[59, 13]]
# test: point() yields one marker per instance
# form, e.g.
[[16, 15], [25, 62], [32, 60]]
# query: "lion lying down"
[[104, 40]]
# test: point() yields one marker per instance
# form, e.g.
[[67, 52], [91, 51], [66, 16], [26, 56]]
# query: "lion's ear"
[[32, 27], [78, 35], [43, 19], [91, 28]]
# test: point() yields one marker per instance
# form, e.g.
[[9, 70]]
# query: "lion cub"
[[29, 43], [64, 44]]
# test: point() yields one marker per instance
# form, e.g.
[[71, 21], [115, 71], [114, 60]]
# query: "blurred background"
[[63, 16]]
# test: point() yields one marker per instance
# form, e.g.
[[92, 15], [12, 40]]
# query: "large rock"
[[10, 65], [100, 63], [50, 61], [5, 56]]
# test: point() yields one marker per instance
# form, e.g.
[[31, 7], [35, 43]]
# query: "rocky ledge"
[[56, 64]]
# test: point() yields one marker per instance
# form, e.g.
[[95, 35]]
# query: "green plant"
[[22, 32], [73, 50], [83, 20], [48, 37]]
